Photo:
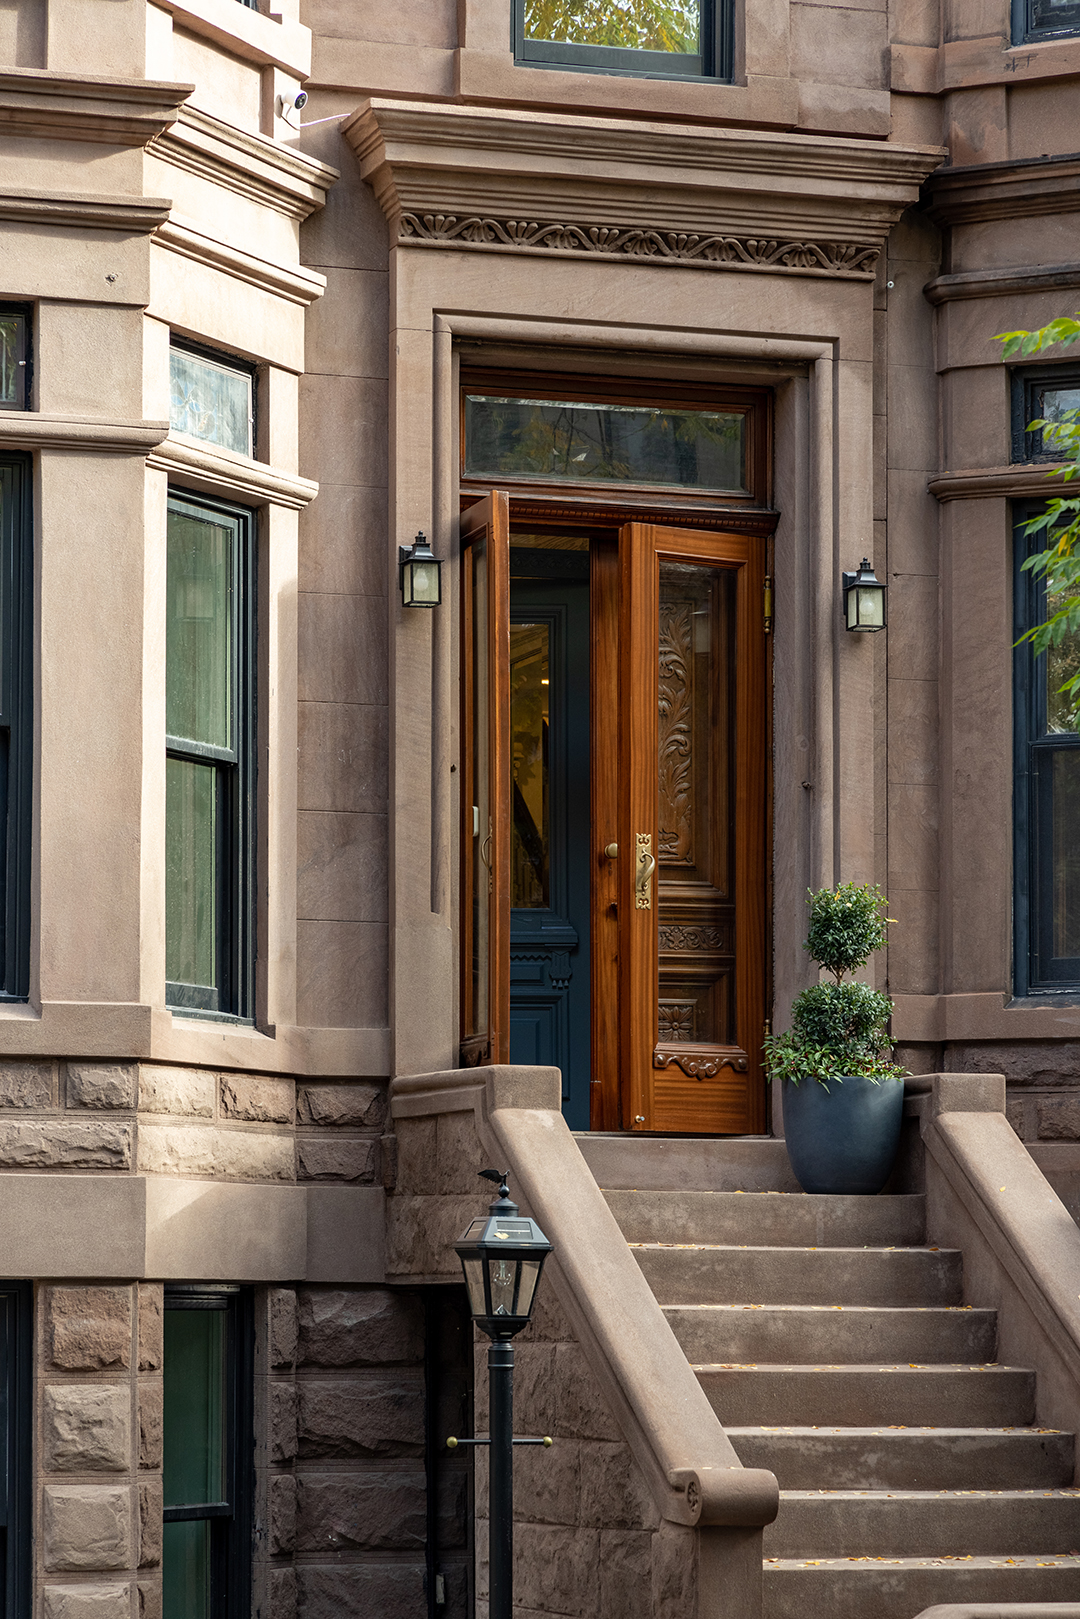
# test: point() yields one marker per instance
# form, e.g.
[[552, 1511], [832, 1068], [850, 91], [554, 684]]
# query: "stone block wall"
[[97, 1451], [347, 1518]]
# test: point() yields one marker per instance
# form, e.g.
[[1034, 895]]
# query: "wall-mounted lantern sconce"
[[864, 600], [419, 574]]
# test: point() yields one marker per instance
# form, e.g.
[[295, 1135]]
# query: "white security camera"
[[287, 104]]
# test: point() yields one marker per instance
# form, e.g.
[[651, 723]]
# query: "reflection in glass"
[[194, 1466], [503, 1279], [185, 1569], [210, 401], [592, 443], [480, 857], [1062, 662], [1067, 852], [191, 872], [530, 674], [644, 25], [12, 372], [198, 640]]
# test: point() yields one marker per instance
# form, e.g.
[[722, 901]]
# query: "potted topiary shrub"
[[843, 1096]]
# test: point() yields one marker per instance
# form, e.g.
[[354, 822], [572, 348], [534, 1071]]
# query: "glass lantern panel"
[[871, 608], [504, 1277], [422, 584], [530, 1275], [474, 1283]]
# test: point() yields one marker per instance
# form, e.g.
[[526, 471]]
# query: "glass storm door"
[[692, 831]]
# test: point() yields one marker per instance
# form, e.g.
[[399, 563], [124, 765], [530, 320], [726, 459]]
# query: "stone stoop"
[[833, 1344]]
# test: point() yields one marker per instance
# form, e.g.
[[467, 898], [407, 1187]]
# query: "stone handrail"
[[687, 1459], [1002, 1610], [986, 1195]]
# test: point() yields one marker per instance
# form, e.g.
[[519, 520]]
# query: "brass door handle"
[[644, 867], [612, 851]]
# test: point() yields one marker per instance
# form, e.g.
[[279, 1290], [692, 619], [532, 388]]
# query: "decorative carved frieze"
[[674, 936], [641, 242], [699, 1063]]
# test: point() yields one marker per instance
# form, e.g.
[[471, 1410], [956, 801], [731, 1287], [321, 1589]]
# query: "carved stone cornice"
[[253, 166], [296, 282], [1030, 481], [31, 430], [136, 216], [218, 471], [530, 182], [35, 102], [1022, 278], [1021, 188]]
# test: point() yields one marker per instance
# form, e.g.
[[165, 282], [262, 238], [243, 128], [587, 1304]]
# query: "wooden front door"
[[676, 829], [692, 846]]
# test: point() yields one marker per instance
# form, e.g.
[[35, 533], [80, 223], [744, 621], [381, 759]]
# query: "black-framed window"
[[1044, 19], [16, 724], [1047, 794], [208, 1453], [664, 39], [1041, 393], [209, 769], [212, 395], [15, 356], [16, 1425]]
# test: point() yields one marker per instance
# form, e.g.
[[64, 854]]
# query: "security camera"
[[287, 104]]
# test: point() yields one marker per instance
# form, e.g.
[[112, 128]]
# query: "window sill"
[[193, 464], [270, 41]]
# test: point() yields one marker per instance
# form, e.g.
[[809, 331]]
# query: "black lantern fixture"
[[864, 600], [419, 574], [502, 1255]]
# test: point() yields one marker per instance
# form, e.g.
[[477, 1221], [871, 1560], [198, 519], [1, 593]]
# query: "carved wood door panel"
[[485, 911], [692, 843]]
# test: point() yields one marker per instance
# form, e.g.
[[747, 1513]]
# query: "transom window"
[[660, 38], [1044, 19], [1041, 393], [211, 398]]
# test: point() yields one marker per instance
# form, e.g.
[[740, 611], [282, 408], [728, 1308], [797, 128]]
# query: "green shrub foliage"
[[839, 1029]]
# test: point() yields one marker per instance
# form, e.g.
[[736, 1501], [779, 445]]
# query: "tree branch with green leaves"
[[1058, 564]]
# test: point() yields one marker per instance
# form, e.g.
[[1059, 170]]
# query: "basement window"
[[1044, 19]]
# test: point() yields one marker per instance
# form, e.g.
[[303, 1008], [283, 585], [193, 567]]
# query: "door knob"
[[644, 867], [611, 850]]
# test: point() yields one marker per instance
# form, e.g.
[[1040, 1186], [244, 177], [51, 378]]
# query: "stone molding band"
[[855, 260]]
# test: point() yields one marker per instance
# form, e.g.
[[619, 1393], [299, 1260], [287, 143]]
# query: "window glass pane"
[[185, 1570], [480, 860], [210, 401], [530, 672], [194, 1464], [191, 872], [11, 352], [1066, 878], [594, 443], [1051, 404], [644, 25], [1062, 662], [199, 629]]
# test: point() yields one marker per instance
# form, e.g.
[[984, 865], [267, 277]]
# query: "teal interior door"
[[550, 815]]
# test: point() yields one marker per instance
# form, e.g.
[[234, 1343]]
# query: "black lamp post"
[[864, 599], [502, 1255]]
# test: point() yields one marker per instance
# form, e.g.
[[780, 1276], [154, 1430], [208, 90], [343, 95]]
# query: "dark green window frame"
[[1039, 755], [219, 1320], [1029, 385], [229, 771], [16, 356], [1035, 20], [16, 723], [16, 1427], [714, 64]]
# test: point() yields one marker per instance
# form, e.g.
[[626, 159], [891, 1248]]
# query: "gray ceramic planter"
[[843, 1139]]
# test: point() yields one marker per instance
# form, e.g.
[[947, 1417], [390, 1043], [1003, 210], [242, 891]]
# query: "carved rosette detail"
[[676, 937], [643, 242], [676, 720], [700, 1064], [676, 1021]]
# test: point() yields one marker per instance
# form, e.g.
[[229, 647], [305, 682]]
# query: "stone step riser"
[[767, 1219], [865, 1397], [885, 1276], [933, 1526], [950, 1460], [719, 1334], [880, 1590]]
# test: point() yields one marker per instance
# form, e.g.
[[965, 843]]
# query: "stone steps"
[[903, 1458], [720, 1334], [924, 1523], [834, 1345], [705, 1274], [867, 1396], [901, 1587]]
